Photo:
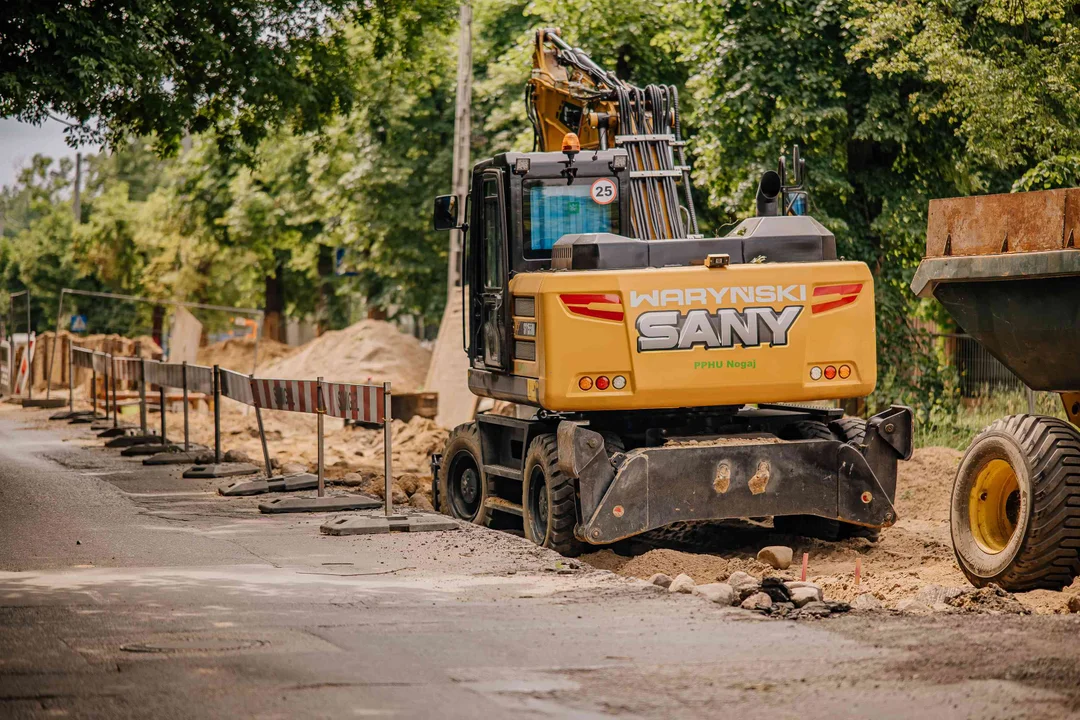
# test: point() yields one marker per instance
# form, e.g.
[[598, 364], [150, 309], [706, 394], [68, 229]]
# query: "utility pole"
[[77, 204], [462, 134]]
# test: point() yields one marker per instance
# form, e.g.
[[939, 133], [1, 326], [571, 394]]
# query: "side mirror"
[[446, 212]]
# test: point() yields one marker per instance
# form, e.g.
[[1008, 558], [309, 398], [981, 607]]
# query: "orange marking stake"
[[858, 570], [805, 563]]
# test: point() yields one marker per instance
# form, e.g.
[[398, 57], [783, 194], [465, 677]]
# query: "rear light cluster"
[[602, 382], [830, 372]]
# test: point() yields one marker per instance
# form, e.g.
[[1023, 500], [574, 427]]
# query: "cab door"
[[491, 283]]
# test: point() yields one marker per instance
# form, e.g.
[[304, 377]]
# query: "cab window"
[[493, 234], [551, 209]]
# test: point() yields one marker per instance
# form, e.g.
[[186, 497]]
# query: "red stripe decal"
[[815, 309], [579, 304], [850, 289]]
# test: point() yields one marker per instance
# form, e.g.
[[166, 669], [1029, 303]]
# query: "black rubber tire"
[[557, 495], [847, 429], [806, 430], [461, 454], [1043, 550]]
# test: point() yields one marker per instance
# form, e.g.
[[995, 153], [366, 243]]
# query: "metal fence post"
[[161, 409], [29, 356], [217, 416], [142, 397], [262, 439], [93, 389], [112, 369], [52, 350], [320, 410], [183, 376], [71, 377], [387, 464]]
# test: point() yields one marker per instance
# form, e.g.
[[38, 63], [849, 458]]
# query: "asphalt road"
[[128, 592]]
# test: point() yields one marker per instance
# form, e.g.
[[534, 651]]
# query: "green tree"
[[166, 69]]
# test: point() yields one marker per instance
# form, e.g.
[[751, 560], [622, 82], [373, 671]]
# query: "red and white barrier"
[[363, 403]]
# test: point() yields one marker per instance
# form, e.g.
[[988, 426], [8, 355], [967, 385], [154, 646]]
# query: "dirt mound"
[[239, 353], [369, 350]]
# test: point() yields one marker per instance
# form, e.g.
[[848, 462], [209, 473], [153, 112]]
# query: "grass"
[[957, 425]]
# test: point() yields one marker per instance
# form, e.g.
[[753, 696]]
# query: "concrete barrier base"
[[176, 457], [123, 441], [105, 430], [147, 449], [220, 470], [292, 483], [71, 415], [55, 402], [380, 524], [329, 503]]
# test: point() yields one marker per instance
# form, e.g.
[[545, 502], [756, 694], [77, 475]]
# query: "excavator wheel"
[[549, 500], [1016, 505], [846, 429], [463, 485], [849, 429]]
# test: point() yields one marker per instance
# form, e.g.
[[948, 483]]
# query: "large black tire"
[[463, 485], [847, 429], [1016, 505], [549, 499]]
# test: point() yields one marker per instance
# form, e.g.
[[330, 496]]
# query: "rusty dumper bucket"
[[1007, 268]]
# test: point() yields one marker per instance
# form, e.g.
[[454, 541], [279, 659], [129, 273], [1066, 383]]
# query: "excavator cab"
[[519, 206]]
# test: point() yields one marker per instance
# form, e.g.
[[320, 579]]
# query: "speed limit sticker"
[[604, 191]]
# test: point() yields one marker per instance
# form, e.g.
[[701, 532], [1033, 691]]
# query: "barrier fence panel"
[[200, 379], [362, 403], [5, 366], [235, 386], [292, 395]]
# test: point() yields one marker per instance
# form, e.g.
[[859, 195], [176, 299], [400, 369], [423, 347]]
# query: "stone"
[[352, 479], [237, 456], [814, 609], [837, 606], [293, 469], [660, 579], [803, 595], [757, 601], [792, 584], [912, 606], [940, 607], [744, 585], [933, 594], [777, 556], [397, 497], [866, 603], [682, 584], [409, 483], [720, 593], [1074, 604], [420, 502], [774, 587]]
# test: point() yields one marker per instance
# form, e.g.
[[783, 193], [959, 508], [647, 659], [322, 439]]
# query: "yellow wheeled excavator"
[[666, 377]]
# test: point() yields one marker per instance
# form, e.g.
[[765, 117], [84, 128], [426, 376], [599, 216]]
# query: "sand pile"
[[369, 350], [239, 353], [910, 556]]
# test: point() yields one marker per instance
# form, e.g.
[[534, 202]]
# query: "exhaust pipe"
[[768, 192]]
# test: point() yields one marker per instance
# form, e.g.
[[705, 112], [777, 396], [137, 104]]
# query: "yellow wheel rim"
[[994, 506]]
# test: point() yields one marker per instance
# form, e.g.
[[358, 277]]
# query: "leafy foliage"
[[166, 68]]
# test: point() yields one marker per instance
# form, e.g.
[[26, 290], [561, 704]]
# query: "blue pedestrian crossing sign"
[[78, 323]]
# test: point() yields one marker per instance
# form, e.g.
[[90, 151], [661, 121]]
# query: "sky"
[[20, 141]]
